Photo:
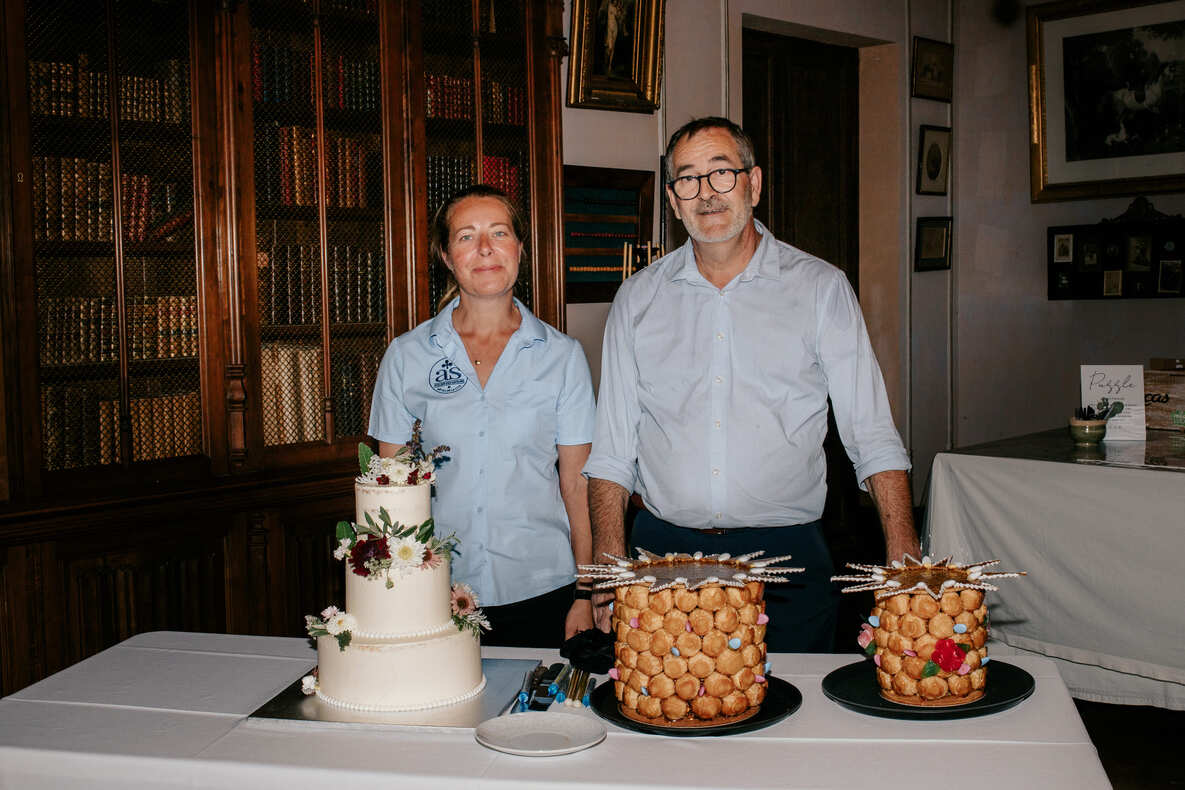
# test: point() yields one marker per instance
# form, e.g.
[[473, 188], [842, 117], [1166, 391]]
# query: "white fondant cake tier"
[[407, 505], [416, 605], [400, 674]]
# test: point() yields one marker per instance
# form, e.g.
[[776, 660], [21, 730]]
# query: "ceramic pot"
[[1087, 431]]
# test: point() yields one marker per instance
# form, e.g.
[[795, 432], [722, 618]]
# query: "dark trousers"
[[802, 612], [535, 622]]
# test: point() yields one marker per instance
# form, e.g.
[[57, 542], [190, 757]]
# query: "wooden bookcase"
[[213, 219]]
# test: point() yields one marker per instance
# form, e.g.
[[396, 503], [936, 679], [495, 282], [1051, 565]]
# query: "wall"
[[1016, 354], [970, 355]]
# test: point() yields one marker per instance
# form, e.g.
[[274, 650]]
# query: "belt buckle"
[[713, 531]]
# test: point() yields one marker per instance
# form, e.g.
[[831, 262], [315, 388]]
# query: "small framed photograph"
[[1063, 248], [932, 246], [1113, 282], [1089, 260], [1170, 277], [933, 160], [1139, 253], [933, 69]]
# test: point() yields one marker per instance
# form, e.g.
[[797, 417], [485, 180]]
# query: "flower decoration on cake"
[[409, 466], [332, 622], [660, 571], [389, 550], [933, 578], [466, 614]]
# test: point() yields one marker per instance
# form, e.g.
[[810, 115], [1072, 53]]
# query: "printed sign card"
[[1124, 383]]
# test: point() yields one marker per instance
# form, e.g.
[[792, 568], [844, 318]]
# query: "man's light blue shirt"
[[713, 402], [500, 491]]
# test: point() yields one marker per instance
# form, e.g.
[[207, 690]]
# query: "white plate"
[[540, 733]]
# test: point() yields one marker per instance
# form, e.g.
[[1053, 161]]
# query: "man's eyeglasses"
[[722, 180]]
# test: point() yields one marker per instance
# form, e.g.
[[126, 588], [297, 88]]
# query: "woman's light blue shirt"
[[500, 491]]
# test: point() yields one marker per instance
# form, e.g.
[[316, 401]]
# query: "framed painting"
[[933, 74], [615, 61], [1107, 115], [932, 244], [933, 160]]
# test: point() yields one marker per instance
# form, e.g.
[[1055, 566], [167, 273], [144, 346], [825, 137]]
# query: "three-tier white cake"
[[407, 639]]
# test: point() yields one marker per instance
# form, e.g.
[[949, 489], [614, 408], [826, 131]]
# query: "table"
[[1103, 543], [168, 709]]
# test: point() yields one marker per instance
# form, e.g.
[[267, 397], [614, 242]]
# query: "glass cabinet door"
[[320, 268], [114, 253]]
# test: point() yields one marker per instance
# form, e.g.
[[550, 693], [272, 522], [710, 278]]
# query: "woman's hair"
[[438, 234]]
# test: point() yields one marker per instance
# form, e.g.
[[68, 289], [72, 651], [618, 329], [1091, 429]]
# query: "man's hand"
[[580, 618], [600, 607]]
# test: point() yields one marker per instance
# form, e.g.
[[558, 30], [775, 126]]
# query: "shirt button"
[[719, 335], [481, 433], [718, 516], [719, 379], [716, 472], [717, 423], [479, 509]]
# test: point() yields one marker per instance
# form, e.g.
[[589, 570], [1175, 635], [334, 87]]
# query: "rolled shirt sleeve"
[[615, 442], [855, 383]]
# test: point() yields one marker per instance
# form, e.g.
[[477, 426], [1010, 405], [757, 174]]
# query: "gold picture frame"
[[1074, 153], [615, 61]]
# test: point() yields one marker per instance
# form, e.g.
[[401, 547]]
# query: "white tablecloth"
[[168, 710], [1103, 548]]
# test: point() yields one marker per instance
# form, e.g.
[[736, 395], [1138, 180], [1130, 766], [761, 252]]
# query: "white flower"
[[328, 612], [308, 684], [407, 551], [340, 622], [343, 548]]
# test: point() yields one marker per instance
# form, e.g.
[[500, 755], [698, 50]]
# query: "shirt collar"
[[443, 335], [764, 262]]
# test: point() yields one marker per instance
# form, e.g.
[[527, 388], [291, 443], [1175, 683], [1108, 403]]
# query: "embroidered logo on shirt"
[[446, 378]]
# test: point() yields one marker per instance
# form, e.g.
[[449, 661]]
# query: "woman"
[[513, 399]]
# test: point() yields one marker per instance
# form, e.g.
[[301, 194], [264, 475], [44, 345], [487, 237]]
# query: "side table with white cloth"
[[1100, 531], [167, 709]]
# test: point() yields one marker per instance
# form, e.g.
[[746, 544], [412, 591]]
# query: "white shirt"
[[713, 402]]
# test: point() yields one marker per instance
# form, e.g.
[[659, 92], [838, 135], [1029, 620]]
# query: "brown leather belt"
[[636, 501]]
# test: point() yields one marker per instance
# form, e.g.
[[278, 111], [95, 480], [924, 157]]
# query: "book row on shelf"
[[502, 103], [293, 396], [290, 177], [66, 90], [150, 208], [84, 329], [71, 199], [353, 384], [290, 285], [72, 202], [505, 174], [80, 426], [446, 175], [282, 73]]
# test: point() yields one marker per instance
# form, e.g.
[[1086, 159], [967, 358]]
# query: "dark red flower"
[[366, 550], [414, 477], [947, 655], [383, 480]]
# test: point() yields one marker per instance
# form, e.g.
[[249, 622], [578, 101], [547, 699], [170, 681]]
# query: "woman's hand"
[[580, 618]]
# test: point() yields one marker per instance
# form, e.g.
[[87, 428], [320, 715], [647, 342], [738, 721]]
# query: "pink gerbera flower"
[[432, 558], [463, 600]]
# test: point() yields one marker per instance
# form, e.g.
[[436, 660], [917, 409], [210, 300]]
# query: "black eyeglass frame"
[[699, 181]]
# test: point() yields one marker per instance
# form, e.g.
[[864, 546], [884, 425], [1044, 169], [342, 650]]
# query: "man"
[[717, 365]]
